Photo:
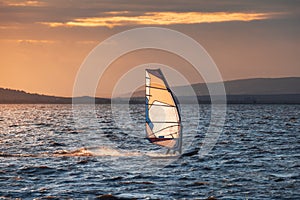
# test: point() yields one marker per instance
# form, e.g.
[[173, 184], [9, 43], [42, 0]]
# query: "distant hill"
[[258, 90], [17, 96], [256, 86], [8, 96]]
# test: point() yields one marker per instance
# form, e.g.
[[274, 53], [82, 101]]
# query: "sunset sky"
[[43, 43]]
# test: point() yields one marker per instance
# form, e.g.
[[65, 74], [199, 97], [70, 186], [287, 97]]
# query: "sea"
[[59, 152]]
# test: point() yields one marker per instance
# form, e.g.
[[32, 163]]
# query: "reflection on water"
[[44, 152]]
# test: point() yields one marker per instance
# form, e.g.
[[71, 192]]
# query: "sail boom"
[[165, 122]]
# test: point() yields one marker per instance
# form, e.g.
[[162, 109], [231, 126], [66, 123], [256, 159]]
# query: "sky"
[[43, 43]]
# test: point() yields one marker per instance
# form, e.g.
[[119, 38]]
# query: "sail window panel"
[[162, 112], [163, 96], [165, 120], [168, 132]]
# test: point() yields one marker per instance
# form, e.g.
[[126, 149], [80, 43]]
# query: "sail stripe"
[[156, 88]]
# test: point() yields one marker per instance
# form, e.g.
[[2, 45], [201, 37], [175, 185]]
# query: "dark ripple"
[[45, 170]]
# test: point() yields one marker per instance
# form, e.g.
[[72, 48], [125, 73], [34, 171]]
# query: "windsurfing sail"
[[163, 121]]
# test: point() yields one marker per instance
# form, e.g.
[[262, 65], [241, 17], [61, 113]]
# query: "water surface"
[[42, 155]]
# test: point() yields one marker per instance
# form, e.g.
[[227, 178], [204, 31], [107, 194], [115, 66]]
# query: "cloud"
[[87, 42], [161, 18], [24, 3], [36, 41], [29, 41]]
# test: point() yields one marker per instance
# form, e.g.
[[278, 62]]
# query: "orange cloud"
[[162, 18], [116, 12], [49, 42], [24, 3], [29, 41]]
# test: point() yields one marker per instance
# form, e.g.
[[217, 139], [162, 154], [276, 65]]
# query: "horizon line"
[[54, 95]]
